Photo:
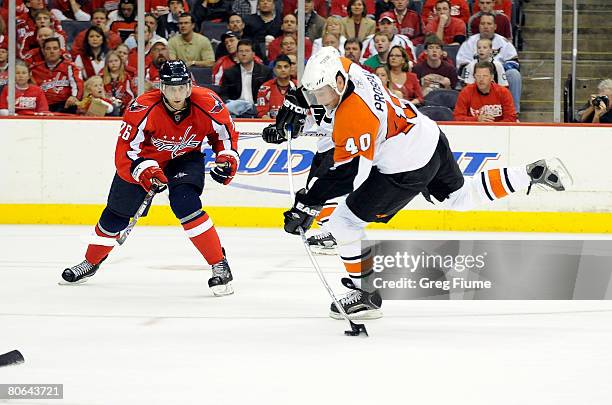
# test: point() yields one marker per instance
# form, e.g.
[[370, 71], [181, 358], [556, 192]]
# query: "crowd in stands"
[[80, 56]]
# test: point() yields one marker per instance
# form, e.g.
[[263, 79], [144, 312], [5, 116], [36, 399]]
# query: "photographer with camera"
[[598, 109]]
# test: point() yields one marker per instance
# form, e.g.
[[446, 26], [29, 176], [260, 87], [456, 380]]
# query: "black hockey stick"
[[356, 328], [11, 358], [155, 188]]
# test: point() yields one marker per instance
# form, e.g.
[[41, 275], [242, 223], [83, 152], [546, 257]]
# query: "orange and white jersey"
[[387, 131]]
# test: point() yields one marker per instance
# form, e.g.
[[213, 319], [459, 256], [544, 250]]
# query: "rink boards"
[[58, 171]]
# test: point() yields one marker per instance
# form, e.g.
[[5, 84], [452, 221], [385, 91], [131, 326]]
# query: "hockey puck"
[[11, 358]]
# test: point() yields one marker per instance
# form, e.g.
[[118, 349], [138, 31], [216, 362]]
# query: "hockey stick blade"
[[356, 330], [11, 358]]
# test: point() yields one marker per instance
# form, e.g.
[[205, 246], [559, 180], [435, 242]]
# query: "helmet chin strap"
[[169, 106]]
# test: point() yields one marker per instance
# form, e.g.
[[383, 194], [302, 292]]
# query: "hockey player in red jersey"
[[161, 143], [385, 153]]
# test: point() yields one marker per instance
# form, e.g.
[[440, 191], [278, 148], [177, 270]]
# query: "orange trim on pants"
[[325, 213], [359, 267], [496, 183]]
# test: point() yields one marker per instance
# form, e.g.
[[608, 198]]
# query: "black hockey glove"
[[293, 113], [300, 215], [272, 135]]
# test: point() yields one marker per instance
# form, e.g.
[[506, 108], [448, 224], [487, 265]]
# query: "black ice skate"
[[80, 273], [323, 243], [549, 173], [358, 304], [220, 282]]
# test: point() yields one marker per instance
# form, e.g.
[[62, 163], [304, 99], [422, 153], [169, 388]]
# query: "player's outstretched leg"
[[357, 303], [104, 239]]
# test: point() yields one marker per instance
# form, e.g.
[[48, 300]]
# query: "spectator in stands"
[[342, 8], [293, 59], [159, 55], [123, 20], [230, 41], [132, 59], [434, 73], [168, 24], [244, 8], [333, 25], [382, 43], [3, 35], [386, 25], [36, 54], [449, 29], [499, 6], [3, 65], [192, 48], [272, 93], [109, 5], [458, 9], [240, 84], [161, 8], [315, 19], [599, 107], [502, 22], [485, 54], [150, 22], [59, 78], [70, 10], [99, 18], [485, 101], [352, 50], [266, 22], [408, 22], [118, 82], [27, 42], [235, 24], [320, 7], [288, 46], [356, 23], [289, 27], [333, 41], [123, 51], [382, 6], [91, 61], [213, 11], [503, 50], [29, 98], [383, 74], [95, 102], [26, 23], [400, 76]]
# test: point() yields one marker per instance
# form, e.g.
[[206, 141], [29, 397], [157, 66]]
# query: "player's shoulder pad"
[[143, 103], [207, 100]]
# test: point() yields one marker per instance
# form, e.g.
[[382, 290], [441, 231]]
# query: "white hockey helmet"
[[322, 70]]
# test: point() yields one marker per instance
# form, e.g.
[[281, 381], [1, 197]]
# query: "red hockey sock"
[[102, 247], [204, 237]]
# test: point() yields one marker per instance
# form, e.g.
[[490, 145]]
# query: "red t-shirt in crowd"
[[459, 9], [455, 28], [497, 103], [270, 97], [28, 101], [274, 49], [505, 6], [411, 88], [410, 25]]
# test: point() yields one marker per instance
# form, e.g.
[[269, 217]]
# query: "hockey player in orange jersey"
[[161, 143], [385, 153]]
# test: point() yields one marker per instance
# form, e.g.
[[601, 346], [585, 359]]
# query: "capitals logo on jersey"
[[176, 147], [218, 107], [135, 107]]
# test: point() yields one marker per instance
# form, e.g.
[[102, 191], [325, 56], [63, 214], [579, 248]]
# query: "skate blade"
[[222, 290], [556, 165], [326, 251], [359, 316], [81, 281]]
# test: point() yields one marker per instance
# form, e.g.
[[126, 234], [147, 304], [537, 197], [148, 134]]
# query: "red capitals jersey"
[[498, 103], [60, 82], [26, 33], [270, 98], [149, 132], [455, 28], [410, 26], [459, 9], [28, 101]]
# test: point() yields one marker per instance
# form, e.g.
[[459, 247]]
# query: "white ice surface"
[[146, 330]]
